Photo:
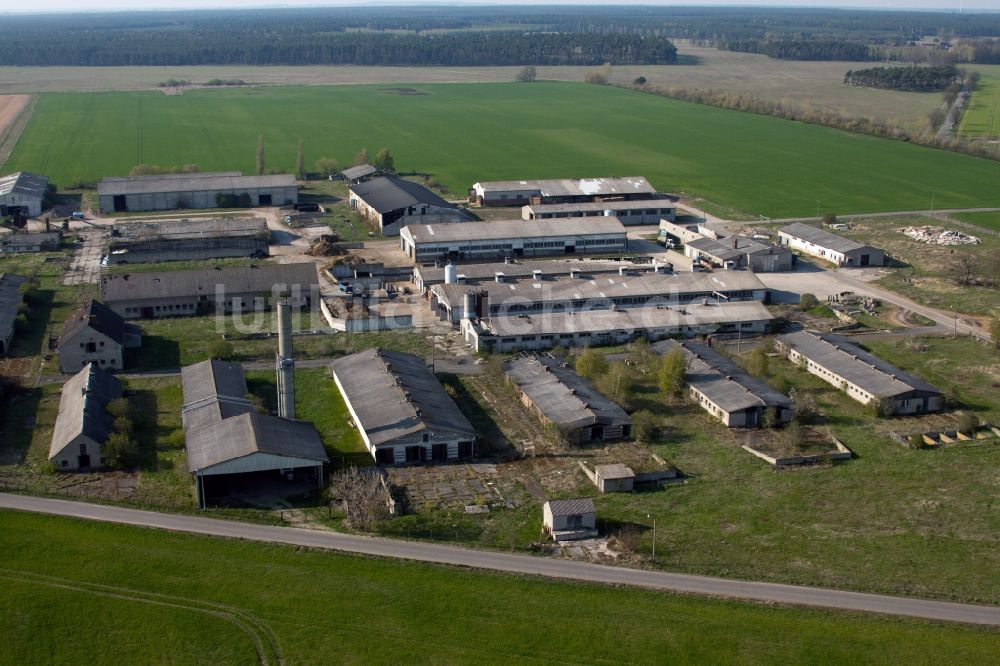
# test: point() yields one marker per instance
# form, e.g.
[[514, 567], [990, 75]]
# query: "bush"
[[123, 424], [806, 410], [591, 363], [121, 451], [222, 350], [808, 301], [645, 426], [671, 373], [618, 383], [757, 363], [527, 74], [175, 440], [968, 423], [916, 441], [119, 408], [639, 81], [21, 323], [879, 408]]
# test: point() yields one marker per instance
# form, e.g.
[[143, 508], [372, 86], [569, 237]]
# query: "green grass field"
[[982, 117], [467, 132], [310, 607], [985, 220]]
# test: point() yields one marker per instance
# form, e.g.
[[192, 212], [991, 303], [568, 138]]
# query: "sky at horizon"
[[66, 6]]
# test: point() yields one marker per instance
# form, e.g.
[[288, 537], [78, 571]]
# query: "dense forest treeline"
[[912, 78], [489, 35]]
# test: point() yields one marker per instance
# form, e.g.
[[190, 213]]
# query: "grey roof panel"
[[191, 182], [131, 232], [614, 471], [248, 433], [513, 229], [10, 298], [563, 396], [396, 395], [591, 187], [24, 183], [97, 316], [353, 173], [203, 281], [211, 379], [590, 206], [525, 269], [571, 507]]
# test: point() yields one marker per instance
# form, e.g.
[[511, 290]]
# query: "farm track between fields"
[[15, 114], [260, 634]]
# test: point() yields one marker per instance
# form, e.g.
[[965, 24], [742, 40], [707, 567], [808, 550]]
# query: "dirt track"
[[11, 108]]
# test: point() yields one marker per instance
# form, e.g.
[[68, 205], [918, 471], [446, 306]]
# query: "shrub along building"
[[229, 189], [740, 252], [392, 203], [509, 298], [831, 247], [495, 241], [729, 393], [403, 413], [84, 424], [862, 376], [10, 300], [95, 334], [200, 291], [560, 191], [42, 241], [559, 396], [234, 450], [629, 213], [22, 194], [612, 327], [185, 240]]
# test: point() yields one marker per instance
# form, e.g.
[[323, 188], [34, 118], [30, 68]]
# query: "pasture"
[[463, 133], [982, 117], [985, 220], [308, 607]]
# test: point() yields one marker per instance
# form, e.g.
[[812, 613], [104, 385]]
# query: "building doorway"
[[265, 200]]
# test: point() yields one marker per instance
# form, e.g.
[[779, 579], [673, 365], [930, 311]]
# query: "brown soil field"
[[819, 84], [12, 121]]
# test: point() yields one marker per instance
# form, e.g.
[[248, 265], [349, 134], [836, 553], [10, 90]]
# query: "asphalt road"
[[519, 564]]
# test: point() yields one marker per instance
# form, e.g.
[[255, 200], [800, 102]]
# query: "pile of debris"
[[326, 246], [938, 236]]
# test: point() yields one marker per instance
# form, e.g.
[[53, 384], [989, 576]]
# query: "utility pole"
[[817, 210], [654, 535]]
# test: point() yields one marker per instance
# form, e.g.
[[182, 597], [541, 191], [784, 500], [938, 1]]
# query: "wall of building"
[[74, 354], [14, 200], [471, 250], [280, 196], [68, 459], [190, 249], [192, 305]]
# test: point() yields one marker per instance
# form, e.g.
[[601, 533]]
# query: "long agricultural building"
[[401, 409], [560, 191], [629, 213], [494, 241], [392, 203], [229, 189], [831, 247], [727, 391], [862, 376], [184, 240], [206, 290], [10, 300], [559, 396], [84, 424], [425, 277], [613, 327], [38, 241], [503, 298]]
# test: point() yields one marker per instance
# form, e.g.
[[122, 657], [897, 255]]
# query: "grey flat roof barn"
[[503, 229], [820, 237], [831, 247], [358, 172], [22, 192], [428, 276], [191, 182], [194, 190], [867, 377], [397, 401], [566, 399]]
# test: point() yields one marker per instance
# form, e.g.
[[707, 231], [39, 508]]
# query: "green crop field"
[[467, 132], [75, 592], [982, 117]]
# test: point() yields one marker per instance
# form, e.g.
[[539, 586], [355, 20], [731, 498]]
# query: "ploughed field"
[[138, 601], [462, 133]]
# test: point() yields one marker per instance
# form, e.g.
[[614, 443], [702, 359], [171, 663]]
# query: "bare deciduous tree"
[[364, 496]]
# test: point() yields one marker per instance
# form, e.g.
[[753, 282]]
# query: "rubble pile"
[[938, 236], [326, 246]]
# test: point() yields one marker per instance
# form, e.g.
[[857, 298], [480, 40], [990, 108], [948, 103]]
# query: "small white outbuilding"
[[570, 519]]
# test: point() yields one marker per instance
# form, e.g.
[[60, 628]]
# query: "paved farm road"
[[520, 564]]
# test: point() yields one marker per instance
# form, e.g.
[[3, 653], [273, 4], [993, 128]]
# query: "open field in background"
[[15, 112], [929, 273], [982, 116], [817, 83], [554, 130], [318, 603], [985, 220]]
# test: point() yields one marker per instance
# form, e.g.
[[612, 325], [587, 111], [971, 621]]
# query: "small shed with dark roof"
[[392, 203], [569, 519]]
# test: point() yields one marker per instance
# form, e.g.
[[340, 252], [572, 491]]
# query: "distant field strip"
[[463, 133], [15, 112], [982, 117]]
